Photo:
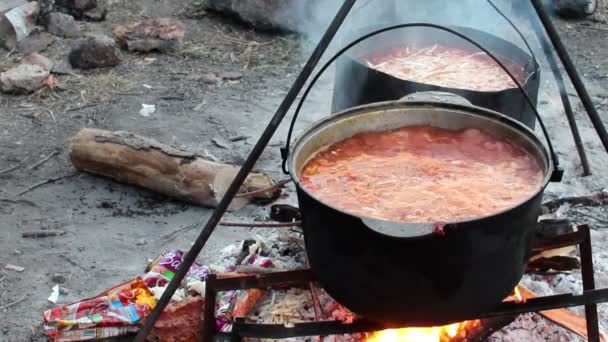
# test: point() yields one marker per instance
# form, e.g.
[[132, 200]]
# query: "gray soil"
[[113, 229]]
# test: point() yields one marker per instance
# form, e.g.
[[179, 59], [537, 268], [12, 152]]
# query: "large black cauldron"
[[408, 274], [356, 83]]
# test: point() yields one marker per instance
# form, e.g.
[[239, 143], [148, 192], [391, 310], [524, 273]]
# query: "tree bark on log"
[[136, 160]]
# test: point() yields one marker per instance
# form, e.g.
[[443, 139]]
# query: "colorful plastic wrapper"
[[163, 269], [122, 306]]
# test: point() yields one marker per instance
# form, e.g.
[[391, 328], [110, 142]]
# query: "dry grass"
[[103, 85], [192, 51]]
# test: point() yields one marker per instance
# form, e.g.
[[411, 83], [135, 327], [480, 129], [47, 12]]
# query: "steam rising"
[[476, 14]]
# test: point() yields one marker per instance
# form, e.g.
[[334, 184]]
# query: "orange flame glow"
[[435, 334]]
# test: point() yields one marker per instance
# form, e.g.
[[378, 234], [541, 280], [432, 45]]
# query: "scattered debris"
[[63, 67], [43, 234], [160, 34], [180, 321], [39, 184], [147, 110], [96, 14], [133, 159], [45, 159], [63, 25], [78, 8], [15, 167], [18, 23], [285, 213], [94, 52], [54, 297], [40, 60], [15, 268], [36, 42], [575, 8], [232, 76], [25, 78], [238, 138], [221, 142], [210, 79], [58, 278]]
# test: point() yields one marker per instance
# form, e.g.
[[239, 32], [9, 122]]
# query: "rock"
[[25, 78], [18, 252], [162, 34], [282, 15], [574, 8], [63, 25], [58, 278], [97, 14], [94, 52], [76, 8], [40, 60], [14, 268], [63, 68], [36, 43], [63, 291]]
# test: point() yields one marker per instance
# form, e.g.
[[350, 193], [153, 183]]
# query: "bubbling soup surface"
[[422, 174], [446, 67]]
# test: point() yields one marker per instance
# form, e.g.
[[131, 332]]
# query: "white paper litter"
[[147, 110], [54, 297]]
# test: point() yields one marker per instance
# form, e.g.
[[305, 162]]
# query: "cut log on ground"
[[133, 159]]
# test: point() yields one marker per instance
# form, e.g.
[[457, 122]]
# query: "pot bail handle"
[[557, 174]]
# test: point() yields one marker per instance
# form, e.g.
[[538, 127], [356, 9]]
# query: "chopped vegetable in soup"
[[423, 174]]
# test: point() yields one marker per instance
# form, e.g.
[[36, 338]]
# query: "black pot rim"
[[516, 125]]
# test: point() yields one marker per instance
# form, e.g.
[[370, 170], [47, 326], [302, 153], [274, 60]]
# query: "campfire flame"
[[434, 334]]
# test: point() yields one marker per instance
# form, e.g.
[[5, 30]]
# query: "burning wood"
[[137, 160]]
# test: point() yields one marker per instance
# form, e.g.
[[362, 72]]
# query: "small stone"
[[40, 60], [232, 76], [18, 252], [58, 278], [97, 14], [14, 268], [25, 78], [64, 291], [63, 68], [210, 79], [63, 25], [141, 242], [94, 52], [36, 43], [76, 8], [221, 142], [573, 8], [161, 34]]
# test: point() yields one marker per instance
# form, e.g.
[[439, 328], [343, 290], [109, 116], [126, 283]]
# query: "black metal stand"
[[241, 329]]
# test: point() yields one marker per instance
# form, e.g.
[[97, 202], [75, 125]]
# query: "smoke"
[[315, 15]]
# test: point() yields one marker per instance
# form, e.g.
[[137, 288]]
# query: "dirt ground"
[[113, 229]]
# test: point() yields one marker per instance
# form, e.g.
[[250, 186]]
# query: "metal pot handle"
[[557, 174]]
